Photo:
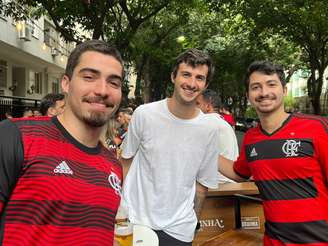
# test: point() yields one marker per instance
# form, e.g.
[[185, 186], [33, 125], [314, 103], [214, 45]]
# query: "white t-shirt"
[[170, 154], [228, 145]]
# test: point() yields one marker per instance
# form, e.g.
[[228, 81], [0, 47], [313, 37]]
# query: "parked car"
[[243, 124]]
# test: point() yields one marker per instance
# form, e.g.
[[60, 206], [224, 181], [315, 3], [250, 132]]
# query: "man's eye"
[[86, 77], [115, 83]]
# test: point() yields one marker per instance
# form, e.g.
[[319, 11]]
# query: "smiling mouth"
[[98, 102], [189, 91], [264, 99]]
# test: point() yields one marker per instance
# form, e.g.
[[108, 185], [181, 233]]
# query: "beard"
[[96, 119]]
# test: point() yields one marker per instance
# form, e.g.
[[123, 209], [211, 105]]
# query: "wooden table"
[[218, 214], [236, 238], [230, 189]]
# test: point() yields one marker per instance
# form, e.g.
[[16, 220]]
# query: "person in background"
[[36, 113], [224, 111], [170, 155], [287, 156], [52, 104], [27, 113], [58, 184], [109, 135], [9, 115], [209, 102], [123, 118]]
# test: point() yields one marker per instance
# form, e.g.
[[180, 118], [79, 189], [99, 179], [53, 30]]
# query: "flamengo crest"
[[115, 183], [290, 147]]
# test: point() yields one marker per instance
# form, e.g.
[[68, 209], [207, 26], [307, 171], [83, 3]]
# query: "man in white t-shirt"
[[170, 155], [209, 102]]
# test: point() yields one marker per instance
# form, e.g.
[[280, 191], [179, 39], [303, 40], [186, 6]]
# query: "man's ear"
[[65, 83], [285, 90], [209, 107], [172, 77], [51, 111]]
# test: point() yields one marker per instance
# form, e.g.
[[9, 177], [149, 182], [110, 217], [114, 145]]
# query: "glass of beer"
[[123, 233]]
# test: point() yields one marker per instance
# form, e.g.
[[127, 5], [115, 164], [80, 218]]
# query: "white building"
[[32, 58], [297, 88]]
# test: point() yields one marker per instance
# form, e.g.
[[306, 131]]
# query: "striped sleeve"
[[240, 165]]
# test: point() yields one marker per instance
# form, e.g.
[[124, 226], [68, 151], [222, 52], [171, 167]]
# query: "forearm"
[[226, 168], [200, 196], [126, 163]]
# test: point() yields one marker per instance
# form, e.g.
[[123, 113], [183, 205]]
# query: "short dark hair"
[[50, 100], [128, 111], [194, 57], [8, 112], [265, 67], [91, 45], [213, 98]]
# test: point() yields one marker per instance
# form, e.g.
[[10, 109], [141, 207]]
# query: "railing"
[[16, 105]]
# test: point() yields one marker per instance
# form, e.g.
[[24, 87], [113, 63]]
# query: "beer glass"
[[123, 233]]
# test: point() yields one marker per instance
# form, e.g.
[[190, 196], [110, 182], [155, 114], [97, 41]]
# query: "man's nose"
[[192, 82], [101, 87], [265, 90]]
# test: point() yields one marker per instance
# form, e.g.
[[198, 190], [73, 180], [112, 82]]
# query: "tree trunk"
[[314, 86], [137, 91], [147, 88]]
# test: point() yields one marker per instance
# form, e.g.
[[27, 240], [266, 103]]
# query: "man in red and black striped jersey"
[[287, 156], [58, 184]]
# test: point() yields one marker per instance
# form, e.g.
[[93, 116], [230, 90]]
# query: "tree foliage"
[[237, 44], [304, 23]]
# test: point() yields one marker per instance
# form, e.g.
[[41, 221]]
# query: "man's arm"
[[226, 168], [200, 196], [126, 163], [11, 159]]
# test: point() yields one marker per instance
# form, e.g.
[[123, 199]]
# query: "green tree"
[[156, 44], [236, 45], [118, 19], [303, 22]]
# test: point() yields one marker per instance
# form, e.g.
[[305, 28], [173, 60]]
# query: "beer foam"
[[123, 228]]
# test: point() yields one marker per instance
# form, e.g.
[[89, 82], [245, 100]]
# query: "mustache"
[[98, 99], [192, 88], [261, 98]]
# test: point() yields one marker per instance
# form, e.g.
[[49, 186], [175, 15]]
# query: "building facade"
[[297, 89], [32, 60]]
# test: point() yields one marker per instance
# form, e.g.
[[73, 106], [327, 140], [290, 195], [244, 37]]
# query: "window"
[[34, 29], [55, 86], [35, 83], [38, 83], [50, 36], [3, 73]]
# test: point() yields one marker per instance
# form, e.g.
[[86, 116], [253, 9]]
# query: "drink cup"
[[123, 233]]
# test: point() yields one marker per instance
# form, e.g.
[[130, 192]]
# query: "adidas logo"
[[253, 153], [63, 168]]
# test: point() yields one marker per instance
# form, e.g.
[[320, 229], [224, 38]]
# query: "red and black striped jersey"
[[53, 189], [290, 168]]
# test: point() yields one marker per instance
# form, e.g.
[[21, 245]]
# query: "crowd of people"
[[64, 176]]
